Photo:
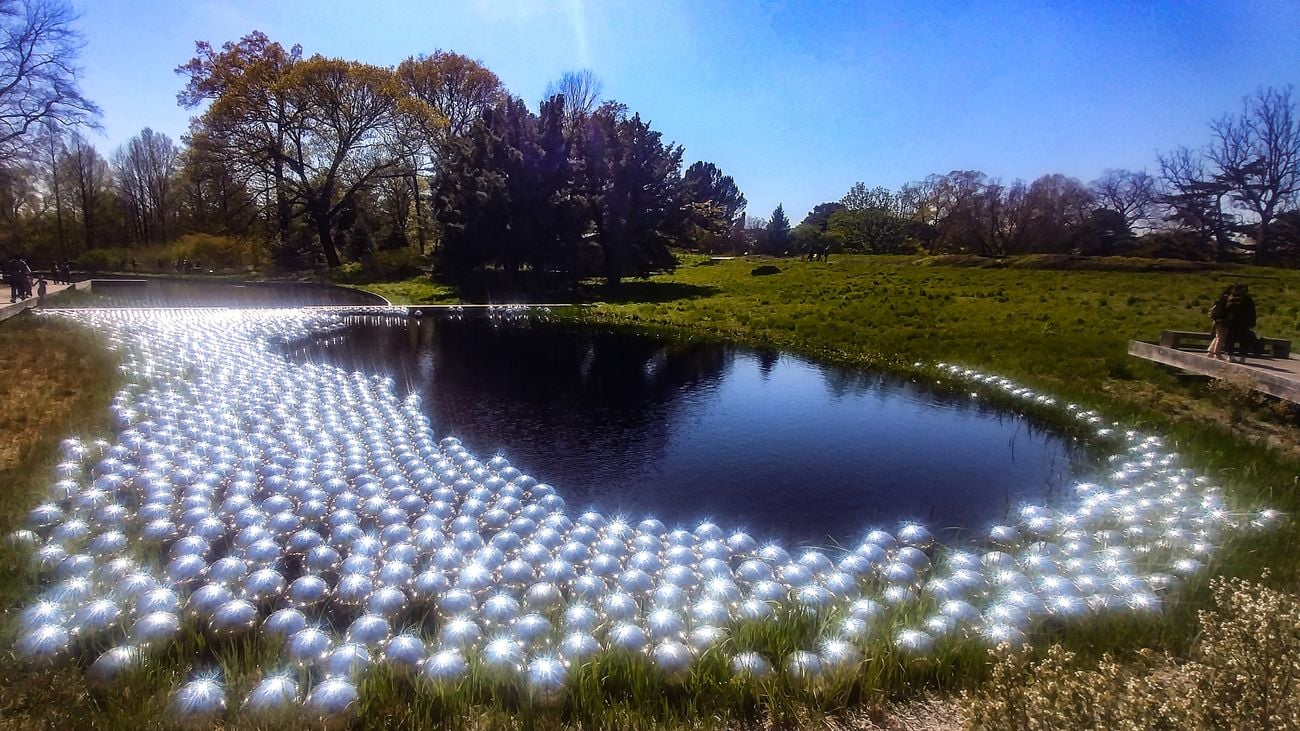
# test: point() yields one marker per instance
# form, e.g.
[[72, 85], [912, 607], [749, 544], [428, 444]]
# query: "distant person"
[[133, 266], [1239, 319], [40, 292], [1218, 326], [24, 278], [11, 277]]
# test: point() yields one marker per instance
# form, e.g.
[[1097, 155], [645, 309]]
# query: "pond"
[[685, 430]]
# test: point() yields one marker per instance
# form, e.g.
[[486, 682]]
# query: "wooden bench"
[[1181, 339]]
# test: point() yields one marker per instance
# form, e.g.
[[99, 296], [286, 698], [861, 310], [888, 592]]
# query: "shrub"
[[1245, 673], [213, 252], [104, 260], [382, 266]]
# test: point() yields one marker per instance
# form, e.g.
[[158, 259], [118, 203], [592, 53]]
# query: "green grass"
[[413, 291]]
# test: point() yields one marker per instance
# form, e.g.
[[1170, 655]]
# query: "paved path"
[[8, 310], [1278, 377]]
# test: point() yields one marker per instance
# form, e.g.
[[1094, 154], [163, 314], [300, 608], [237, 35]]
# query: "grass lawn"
[[1064, 331], [414, 291]]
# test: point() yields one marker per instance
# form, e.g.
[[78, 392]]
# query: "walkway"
[[8, 310], [1278, 377]]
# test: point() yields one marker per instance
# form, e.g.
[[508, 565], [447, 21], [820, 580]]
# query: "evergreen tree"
[[634, 184], [778, 232], [713, 203]]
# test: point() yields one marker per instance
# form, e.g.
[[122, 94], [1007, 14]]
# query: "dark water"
[[687, 430]]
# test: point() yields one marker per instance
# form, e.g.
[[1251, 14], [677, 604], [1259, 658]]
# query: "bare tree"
[[581, 91], [52, 150], [1195, 199], [1257, 153], [89, 176], [38, 73], [146, 169], [1131, 194]]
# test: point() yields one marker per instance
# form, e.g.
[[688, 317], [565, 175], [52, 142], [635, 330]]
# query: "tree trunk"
[[324, 232], [419, 215], [281, 203], [613, 264]]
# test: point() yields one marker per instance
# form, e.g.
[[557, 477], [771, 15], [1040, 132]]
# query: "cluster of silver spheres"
[[244, 493]]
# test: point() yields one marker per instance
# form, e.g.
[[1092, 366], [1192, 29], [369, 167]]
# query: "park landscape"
[[205, 530]]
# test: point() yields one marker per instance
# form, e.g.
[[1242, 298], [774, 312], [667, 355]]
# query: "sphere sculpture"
[[299, 500]]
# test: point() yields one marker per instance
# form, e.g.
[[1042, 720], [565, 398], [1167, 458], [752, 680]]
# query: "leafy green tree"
[[868, 221], [810, 236], [861, 198], [868, 231], [246, 127]]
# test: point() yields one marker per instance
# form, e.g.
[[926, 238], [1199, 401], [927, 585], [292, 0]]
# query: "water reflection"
[[685, 430]]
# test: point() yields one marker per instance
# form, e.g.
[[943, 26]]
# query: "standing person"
[[40, 292], [1239, 318], [1218, 329], [24, 278], [11, 277]]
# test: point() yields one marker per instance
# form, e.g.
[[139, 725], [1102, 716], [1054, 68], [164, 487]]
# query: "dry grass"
[[1243, 673], [58, 379]]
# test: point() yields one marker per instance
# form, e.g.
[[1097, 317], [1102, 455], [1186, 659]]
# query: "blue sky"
[[796, 100]]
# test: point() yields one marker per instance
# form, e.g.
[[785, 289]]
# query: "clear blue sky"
[[796, 100]]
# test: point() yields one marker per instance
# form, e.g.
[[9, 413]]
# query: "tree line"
[[304, 161], [1236, 198], [325, 161]]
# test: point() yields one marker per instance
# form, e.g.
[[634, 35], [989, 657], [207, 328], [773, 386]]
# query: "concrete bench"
[[1179, 339]]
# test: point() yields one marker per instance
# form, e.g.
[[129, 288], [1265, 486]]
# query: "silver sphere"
[[347, 660], [445, 666], [234, 617], [308, 647], [43, 645], [273, 696], [750, 665], [113, 664], [332, 701], [404, 651], [672, 658], [156, 628], [803, 665], [199, 703], [284, 623]]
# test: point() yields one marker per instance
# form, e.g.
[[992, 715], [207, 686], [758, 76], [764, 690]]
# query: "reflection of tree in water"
[[841, 382], [625, 422], [579, 408]]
